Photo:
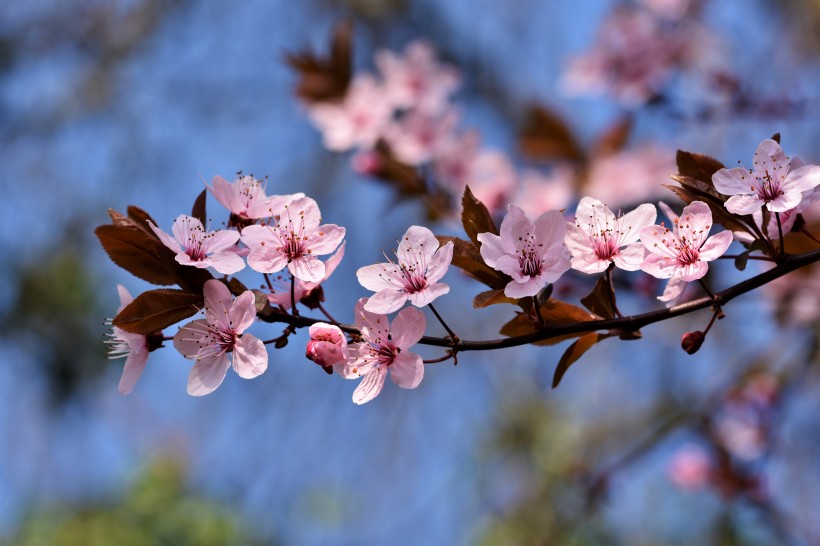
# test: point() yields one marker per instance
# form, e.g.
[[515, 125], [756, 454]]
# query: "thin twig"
[[441, 320]]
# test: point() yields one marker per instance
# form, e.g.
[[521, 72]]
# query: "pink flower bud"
[[367, 163], [327, 345], [691, 341], [689, 467]]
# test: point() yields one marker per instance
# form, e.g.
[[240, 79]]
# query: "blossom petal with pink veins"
[[577, 240], [785, 202], [218, 301], [514, 225], [125, 297], [530, 287], [218, 240], [673, 291], [550, 226], [134, 366], [386, 301], [255, 236], [491, 248], [802, 179], [509, 265], [654, 239], [168, 241], [716, 246], [265, 259], [695, 222], [207, 375], [440, 262], [407, 370], [557, 261], [744, 204], [184, 259], [408, 328], [418, 245], [222, 190], [768, 152], [305, 208], [693, 272], [370, 386], [307, 268], [225, 262], [630, 257], [184, 227], [426, 296], [333, 262], [190, 338], [363, 318], [634, 221], [590, 264], [732, 181], [243, 312], [325, 241], [250, 358], [659, 267], [379, 277]]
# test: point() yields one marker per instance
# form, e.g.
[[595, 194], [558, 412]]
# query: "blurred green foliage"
[[158, 510]]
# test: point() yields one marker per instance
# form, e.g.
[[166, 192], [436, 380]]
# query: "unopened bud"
[[327, 345], [691, 341]]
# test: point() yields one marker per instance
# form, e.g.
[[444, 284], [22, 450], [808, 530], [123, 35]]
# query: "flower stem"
[[611, 290], [537, 312], [733, 256], [441, 320], [706, 289], [448, 355], [780, 232], [293, 310], [267, 281], [715, 315]]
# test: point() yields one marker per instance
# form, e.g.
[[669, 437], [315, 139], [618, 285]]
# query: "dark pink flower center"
[[529, 255], [768, 186], [293, 237]]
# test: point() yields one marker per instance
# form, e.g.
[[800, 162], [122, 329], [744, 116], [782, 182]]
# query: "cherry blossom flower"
[[358, 120], [532, 253], [771, 182], [199, 248], [416, 79], [453, 165], [685, 252], [281, 292], [294, 242], [539, 192], [327, 346], [689, 467], [245, 198], [208, 341], [385, 347], [630, 176], [420, 264], [418, 136], [492, 179], [134, 347], [599, 238]]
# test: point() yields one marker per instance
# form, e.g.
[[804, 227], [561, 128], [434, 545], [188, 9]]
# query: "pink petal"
[[125, 297], [325, 239], [430, 293], [530, 287], [509, 265], [207, 374], [556, 262], [190, 339], [333, 262], [255, 236], [589, 264], [250, 359], [695, 222], [630, 258], [767, 154], [266, 259], [222, 190], [514, 225], [802, 179], [668, 212], [303, 209], [408, 328], [134, 366], [218, 300], [744, 204], [165, 239], [368, 322], [716, 246], [225, 262], [654, 239], [242, 312], [184, 259], [386, 301], [633, 222], [440, 262], [659, 267], [371, 386], [378, 277], [186, 228], [491, 248], [218, 240], [307, 268], [417, 245], [785, 202], [407, 370], [674, 290], [695, 271], [733, 181], [577, 240], [550, 229]]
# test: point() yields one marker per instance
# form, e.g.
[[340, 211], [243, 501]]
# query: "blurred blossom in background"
[[108, 103]]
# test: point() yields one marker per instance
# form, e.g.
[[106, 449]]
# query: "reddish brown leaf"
[[546, 136], [467, 257], [158, 309], [325, 77], [199, 210], [573, 353], [614, 138], [491, 297], [136, 252], [555, 313], [698, 166], [599, 300], [475, 217], [142, 218]]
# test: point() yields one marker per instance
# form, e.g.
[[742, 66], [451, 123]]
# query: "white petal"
[[370, 386], [250, 359], [407, 370], [207, 374], [408, 328]]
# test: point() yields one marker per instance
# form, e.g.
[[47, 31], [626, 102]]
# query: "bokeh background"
[[110, 103]]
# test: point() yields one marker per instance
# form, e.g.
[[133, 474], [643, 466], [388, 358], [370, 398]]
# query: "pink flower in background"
[[281, 293], [492, 179], [294, 242], [683, 253], [771, 182], [598, 238], [539, 192], [327, 346], [134, 347], [199, 248], [689, 467], [208, 341], [358, 120], [532, 253], [416, 79], [630, 176], [417, 137], [453, 165], [420, 264], [385, 347], [245, 197]]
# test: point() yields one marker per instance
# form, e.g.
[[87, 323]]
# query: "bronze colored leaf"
[[136, 252], [325, 77], [573, 353], [599, 301], [199, 210], [475, 217], [546, 136], [156, 310], [142, 218], [614, 139], [698, 166], [555, 313], [491, 297]]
